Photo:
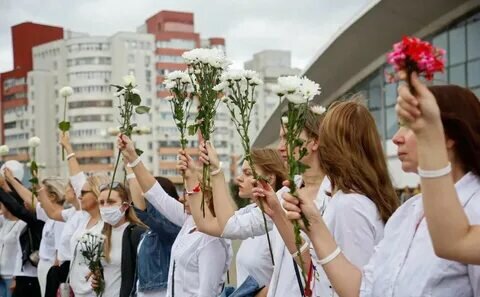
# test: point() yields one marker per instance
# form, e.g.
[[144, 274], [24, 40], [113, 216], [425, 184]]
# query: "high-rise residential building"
[[174, 34], [270, 64], [14, 111], [89, 64]]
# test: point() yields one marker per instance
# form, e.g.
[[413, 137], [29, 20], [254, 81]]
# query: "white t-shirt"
[[78, 267], [113, 269], [51, 234], [253, 257], [73, 220], [9, 239]]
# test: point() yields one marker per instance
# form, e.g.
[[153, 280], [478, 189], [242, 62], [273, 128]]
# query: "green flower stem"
[[64, 119]]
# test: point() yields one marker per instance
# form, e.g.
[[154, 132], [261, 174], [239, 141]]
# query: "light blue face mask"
[[112, 214]]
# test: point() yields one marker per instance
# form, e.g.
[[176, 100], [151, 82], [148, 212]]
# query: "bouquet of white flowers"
[[91, 248]]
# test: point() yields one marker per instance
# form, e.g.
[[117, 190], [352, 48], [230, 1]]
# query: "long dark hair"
[[460, 114]]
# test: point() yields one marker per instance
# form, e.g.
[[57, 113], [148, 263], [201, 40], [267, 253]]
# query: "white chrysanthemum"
[[221, 87], [276, 89], [255, 81], [113, 130], [4, 150], [179, 75], [318, 109], [136, 91], [145, 130], [309, 88], [289, 84], [284, 120], [296, 98], [34, 142], [129, 80], [213, 57], [66, 91], [169, 84]]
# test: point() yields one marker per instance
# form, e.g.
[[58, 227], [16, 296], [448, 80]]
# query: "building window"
[[90, 103]]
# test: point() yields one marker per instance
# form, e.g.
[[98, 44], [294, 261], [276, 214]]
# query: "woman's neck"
[[457, 172], [313, 176], [10, 217], [94, 215], [121, 222]]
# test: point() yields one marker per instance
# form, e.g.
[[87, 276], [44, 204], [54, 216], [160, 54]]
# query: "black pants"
[[56, 275], [26, 287]]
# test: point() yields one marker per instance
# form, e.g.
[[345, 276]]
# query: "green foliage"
[[64, 126]]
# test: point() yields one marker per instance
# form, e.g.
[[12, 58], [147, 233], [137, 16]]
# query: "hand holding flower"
[[264, 192], [186, 164], [209, 156], [126, 146]]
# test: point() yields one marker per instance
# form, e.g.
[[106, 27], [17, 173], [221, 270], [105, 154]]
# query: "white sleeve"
[[212, 263], [41, 214], [166, 205], [244, 225], [78, 181], [58, 230]]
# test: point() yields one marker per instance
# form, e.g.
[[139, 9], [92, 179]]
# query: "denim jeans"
[[249, 288], [5, 287]]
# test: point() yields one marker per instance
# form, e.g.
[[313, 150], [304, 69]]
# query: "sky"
[[248, 26]]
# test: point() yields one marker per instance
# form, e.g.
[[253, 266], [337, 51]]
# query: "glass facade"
[[461, 39]]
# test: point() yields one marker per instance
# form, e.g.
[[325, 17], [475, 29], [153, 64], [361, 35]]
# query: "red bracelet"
[[195, 190]]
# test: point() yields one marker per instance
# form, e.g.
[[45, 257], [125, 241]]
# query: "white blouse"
[[51, 235], [357, 227], [404, 263], [73, 220], [9, 239], [78, 266], [199, 262], [253, 257], [113, 269]]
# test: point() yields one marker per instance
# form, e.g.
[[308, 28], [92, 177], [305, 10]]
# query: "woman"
[[404, 262], [122, 230], [25, 272], [10, 232], [256, 267], [362, 197], [155, 247], [198, 262], [52, 231], [429, 116], [285, 279]]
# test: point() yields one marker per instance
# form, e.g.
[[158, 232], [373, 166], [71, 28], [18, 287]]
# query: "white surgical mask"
[[111, 214]]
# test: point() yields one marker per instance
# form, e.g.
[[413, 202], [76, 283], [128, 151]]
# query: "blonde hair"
[[270, 162], [130, 216], [351, 155], [56, 186]]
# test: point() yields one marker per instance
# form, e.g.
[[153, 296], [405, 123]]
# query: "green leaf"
[[118, 87], [138, 151], [64, 126], [192, 129], [33, 180], [135, 99], [34, 166], [142, 109]]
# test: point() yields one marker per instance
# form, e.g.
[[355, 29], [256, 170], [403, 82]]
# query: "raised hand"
[[264, 192], [186, 164], [303, 204], [127, 148], [208, 155], [64, 141], [8, 174], [418, 110]]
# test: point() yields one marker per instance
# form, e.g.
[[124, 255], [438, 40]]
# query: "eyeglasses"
[[115, 186], [84, 192]]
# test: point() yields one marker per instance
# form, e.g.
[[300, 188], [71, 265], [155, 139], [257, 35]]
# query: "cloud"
[[248, 26]]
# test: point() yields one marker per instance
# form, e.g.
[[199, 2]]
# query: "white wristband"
[[134, 163], [69, 156], [330, 257], [130, 176], [435, 173], [302, 249], [215, 172]]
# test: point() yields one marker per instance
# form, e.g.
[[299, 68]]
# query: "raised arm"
[[22, 191], [345, 277], [135, 190], [52, 210], [73, 166], [453, 239], [15, 208], [207, 224], [154, 193]]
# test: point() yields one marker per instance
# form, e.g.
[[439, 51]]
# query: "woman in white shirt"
[[361, 198], [199, 262], [9, 252], [80, 284], [453, 239], [404, 262], [258, 265]]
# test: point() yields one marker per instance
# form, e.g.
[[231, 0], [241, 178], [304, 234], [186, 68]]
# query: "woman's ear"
[[315, 144], [449, 143]]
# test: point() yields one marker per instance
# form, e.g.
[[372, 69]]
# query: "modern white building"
[[89, 64], [354, 60]]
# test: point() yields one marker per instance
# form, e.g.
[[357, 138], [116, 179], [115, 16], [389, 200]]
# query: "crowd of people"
[[359, 242]]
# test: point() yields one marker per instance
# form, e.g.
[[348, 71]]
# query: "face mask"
[[111, 214]]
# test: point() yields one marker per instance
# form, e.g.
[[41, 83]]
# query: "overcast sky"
[[249, 26]]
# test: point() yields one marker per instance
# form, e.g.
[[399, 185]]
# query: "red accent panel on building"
[[217, 41], [162, 22]]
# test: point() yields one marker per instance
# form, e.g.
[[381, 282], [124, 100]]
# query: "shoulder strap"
[[299, 279]]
